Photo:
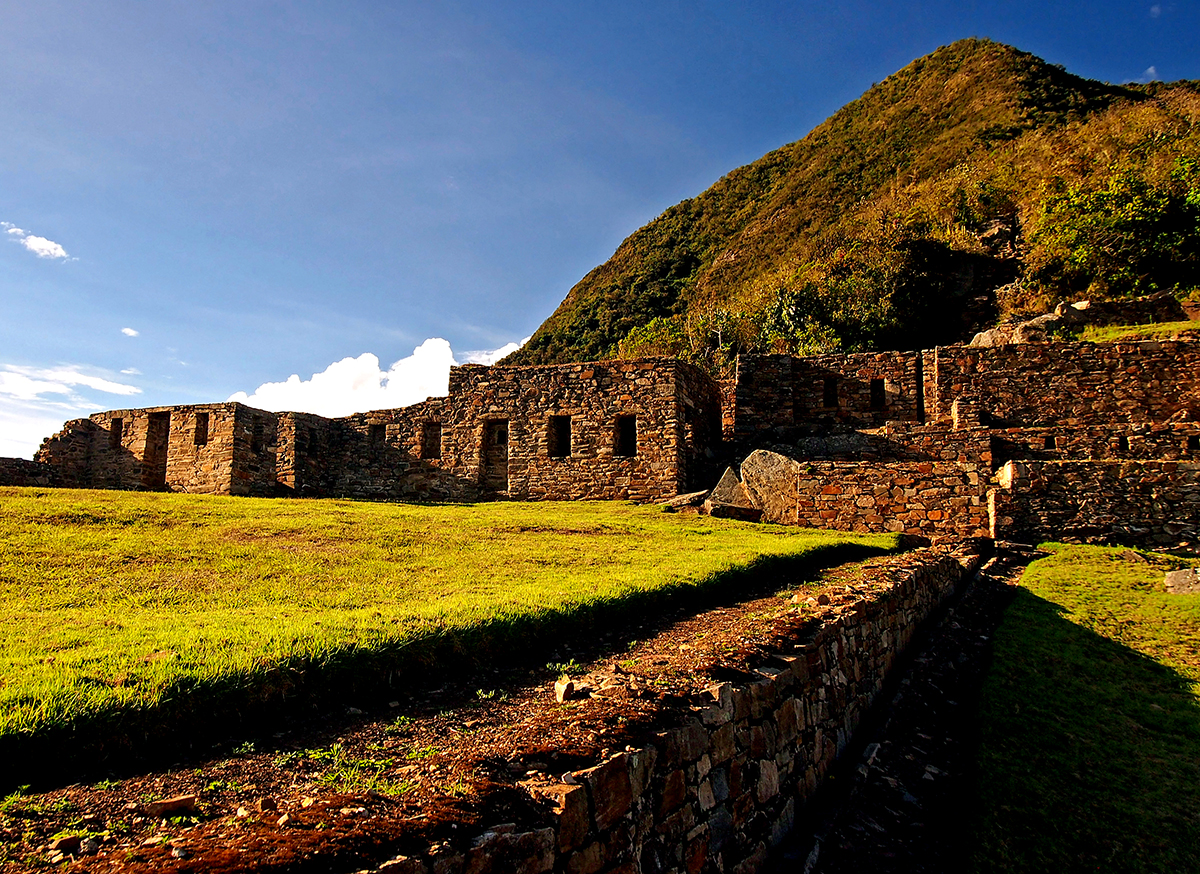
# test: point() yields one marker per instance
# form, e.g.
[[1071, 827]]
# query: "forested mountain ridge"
[[893, 222]]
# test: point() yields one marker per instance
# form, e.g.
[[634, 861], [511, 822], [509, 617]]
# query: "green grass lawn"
[[117, 606], [1090, 724], [1113, 333]]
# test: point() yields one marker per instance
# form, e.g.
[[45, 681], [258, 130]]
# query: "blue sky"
[[203, 198]]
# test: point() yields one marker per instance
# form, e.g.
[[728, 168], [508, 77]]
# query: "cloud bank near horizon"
[[355, 385]]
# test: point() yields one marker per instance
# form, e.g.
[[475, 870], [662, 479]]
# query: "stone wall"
[[896, 441], [932, 498], [217, 449], [714, 795], [778, 391], [23, 472], [1070, 383], [1147, 441], [1144, 503]]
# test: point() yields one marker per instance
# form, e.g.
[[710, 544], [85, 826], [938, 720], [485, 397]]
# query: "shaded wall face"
[[253, 439], [863, 390], [1143, 503], [1081, 383]]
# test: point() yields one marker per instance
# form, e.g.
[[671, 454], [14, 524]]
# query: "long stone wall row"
[[717, 793]]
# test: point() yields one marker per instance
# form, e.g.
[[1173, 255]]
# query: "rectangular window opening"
[[878, 394], [256, 435], [829, 392], [1194, 442], [558, 436], [116, 432], [1123, 443], [625, 436], [376, 434], [200, 438], [431, 440], [1051, 442]]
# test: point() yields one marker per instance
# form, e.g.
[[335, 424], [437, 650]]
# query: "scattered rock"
[[180, 805], [1183, 582], [564, 690], [263, 805], [691, 499], [283, 820], [68, 844]]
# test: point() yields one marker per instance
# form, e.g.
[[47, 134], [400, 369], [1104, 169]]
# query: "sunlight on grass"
[[1090, 720], [117, 601], [1113, 333]]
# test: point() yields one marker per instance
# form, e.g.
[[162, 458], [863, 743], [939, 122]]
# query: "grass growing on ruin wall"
[[1090, 723], [118, 605], [1160, 331]]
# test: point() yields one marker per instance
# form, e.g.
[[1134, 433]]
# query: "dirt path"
[[897, 803]]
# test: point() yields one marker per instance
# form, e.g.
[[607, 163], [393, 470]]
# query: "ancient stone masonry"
[[223, 449], [1151, 503], [716, 793], [892, 441], [1054, 384], [638, 430], [22, 472]]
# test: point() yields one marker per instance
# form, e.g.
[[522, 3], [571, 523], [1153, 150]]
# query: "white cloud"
[[39, 246], [355, 385], [29, 383], [1155, 11], [1149, 75], [489, 358], [35, 401], [131, 371], [24, 425], [129, 332]]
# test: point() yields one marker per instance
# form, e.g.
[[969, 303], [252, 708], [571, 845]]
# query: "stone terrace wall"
[[896, 441], [23, 472], [1158, 441], [1046, 384], [933, 499], [1144, 503], [714, 795], [777, 391]]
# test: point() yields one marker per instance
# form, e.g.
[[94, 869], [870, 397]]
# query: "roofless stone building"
[[1089, 440]]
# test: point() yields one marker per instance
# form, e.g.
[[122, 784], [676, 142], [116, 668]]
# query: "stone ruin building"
[[1092, 441]]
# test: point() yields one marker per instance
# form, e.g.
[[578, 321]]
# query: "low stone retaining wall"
[[23, 472], [715, 794], [1144, 503], [934, 498]]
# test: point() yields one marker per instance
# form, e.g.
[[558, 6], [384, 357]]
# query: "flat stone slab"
[[1184, 582]]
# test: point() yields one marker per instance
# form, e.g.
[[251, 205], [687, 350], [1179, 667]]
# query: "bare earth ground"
[[349, 791], [898, 802]]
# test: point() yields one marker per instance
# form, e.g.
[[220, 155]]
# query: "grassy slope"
[[121, 603], [873, 221], [1161, 331], [1090, 752]]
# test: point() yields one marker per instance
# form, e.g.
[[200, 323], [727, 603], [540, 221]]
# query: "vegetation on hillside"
[[126, 611], [1089, 756], [892, 223]]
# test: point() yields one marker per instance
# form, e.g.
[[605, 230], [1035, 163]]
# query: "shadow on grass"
[[1089, 756], [195, 715]]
